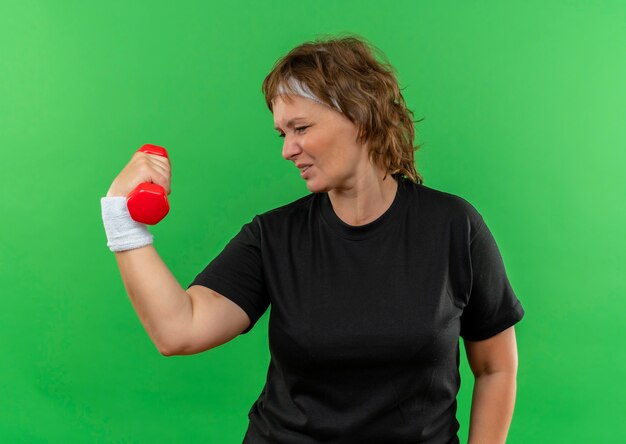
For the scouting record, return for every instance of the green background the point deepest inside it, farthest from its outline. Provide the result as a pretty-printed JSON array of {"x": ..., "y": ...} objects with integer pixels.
[{"x": 524, "y": 108}]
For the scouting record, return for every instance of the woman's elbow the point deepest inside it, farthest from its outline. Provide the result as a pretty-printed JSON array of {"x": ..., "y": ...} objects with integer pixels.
[{"x": 167, "y": 349}]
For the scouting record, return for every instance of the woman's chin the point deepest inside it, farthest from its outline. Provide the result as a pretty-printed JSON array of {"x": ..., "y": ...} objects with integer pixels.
[{"x": 314, "y": 188}]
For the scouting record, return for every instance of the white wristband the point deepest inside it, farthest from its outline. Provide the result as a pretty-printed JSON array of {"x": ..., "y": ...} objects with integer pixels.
[{"x": 123, "y": 233}]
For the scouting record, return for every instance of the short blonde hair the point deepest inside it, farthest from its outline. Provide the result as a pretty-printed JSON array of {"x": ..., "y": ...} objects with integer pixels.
[{"x": 344, "y": 71}]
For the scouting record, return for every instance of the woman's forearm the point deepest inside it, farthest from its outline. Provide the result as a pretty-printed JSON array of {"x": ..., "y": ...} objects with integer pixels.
[
  {"x": 493, "y": 401},
  {"x": 163, "y": 306}
]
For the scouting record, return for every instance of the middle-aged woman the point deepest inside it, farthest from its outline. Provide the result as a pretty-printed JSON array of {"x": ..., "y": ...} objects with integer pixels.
[{"x": 371, "y": 278}]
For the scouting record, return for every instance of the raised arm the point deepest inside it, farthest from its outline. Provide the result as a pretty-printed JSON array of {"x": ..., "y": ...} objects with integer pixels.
[{"x": 177, "y": 321}]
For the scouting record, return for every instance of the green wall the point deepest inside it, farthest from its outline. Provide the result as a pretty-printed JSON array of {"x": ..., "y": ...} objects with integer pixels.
[{"x": 524, "y": 108}]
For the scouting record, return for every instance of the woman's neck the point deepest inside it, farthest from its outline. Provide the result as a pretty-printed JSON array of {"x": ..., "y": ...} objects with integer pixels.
[{"x": 366, "y": 201}]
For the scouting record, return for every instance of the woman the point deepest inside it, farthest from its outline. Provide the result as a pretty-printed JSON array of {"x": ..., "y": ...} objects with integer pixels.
[{"x": 371, "y": 278}]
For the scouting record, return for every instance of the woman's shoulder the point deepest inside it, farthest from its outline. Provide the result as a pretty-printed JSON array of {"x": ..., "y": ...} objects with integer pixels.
[
  {"x": 447, "y": 204},
  {"x": 296, "y": 208}
]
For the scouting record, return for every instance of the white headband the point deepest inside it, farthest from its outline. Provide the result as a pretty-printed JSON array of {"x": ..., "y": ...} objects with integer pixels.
[{"x": 303, "y": 90}]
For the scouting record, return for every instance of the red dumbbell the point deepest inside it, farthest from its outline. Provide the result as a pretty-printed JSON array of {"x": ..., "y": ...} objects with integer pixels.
[{"x": 147, "y": 203}]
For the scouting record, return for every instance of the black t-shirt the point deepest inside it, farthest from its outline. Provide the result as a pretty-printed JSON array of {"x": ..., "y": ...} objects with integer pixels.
[{"x": 365, "y": 320}]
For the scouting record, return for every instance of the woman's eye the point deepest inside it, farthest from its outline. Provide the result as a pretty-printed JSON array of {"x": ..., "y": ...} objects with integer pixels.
[{"x": 298, "y": 129}]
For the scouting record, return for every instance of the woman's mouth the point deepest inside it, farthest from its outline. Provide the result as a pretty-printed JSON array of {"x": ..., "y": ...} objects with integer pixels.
[{"x": 304, "y": 170}]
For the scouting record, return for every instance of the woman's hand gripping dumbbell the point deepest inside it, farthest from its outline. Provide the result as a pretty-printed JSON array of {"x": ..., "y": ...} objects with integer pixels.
[
  {"x": 137, "y": 196},
  {"x": 145, "y": 182}
]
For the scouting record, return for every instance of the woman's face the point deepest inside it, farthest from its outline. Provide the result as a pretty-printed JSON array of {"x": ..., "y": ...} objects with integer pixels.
[{"x": 319, "y": 136}]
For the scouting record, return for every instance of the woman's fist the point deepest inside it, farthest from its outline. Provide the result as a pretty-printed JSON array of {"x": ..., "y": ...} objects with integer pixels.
[{"x": 143, "y": 167}]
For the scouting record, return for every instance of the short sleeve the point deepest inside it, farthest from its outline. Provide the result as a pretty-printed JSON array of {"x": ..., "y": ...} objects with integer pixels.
[
  {"x": 492, "y": 306},
  {"x": 237, "y": 273}
]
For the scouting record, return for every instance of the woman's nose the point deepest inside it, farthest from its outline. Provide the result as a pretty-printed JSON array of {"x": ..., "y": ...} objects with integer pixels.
[{"x": 290, "y": 148}]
